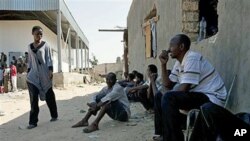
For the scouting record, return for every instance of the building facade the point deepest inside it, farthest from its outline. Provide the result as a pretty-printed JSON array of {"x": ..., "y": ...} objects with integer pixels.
[
  {"x": 227, "y": 49},
  {"x": 70, "y": 47}
]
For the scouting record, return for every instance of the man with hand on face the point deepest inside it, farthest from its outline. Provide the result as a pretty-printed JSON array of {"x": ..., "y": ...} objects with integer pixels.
[
  {"x": 111, "y": 100},
  {"x": 193, "y": 81}
]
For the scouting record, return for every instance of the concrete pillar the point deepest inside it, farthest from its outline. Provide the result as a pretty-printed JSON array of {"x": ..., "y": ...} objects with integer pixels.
[
  {"x": 69, "y": 47},
  {"x": 77, "y": 53},
  {"x": 85, "y": 55},
  {"x": 88, "y": 60},
  {"x": 81, "y": 45},
  {"x": 59, "y": 43}
]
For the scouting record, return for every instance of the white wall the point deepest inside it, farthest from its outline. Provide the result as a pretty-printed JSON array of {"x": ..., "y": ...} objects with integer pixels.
[{"x": 16, "y": 35}]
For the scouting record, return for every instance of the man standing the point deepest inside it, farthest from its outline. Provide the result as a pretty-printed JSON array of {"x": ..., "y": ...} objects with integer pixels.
[
  {"x": 111, "y": 100},
  {"x": 13, "y": 77},
  {"x": 197, "y": 83},
  {"x": 39, "y": 77}
]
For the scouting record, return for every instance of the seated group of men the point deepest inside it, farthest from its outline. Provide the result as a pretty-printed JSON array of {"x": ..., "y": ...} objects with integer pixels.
[{"x": 193, "y": 83}]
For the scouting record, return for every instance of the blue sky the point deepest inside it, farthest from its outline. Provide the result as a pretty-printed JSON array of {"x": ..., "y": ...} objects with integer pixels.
[{"x": 92, "y": 15}]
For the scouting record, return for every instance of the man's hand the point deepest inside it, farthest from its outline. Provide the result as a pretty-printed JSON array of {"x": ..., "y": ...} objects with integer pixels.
[
  {"x": 131, "y": 90},
  {"x": 164, "y": 57},
  {"x": 92, "y": 106},
  {"x": 153, "y": 77},
  {"x": 50, "y": 74}
]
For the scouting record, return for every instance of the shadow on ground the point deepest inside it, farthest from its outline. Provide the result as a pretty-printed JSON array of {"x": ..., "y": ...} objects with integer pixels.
[{"x": 139, "y": 128}]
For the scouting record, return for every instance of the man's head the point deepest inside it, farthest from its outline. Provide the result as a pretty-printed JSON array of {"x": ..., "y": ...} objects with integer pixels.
[
  {"x": 139, "y": 77},
  {"x": 37, "y": 33},
  {"x": 151, "y": 69},
  {"x": 131, "y": 77},
  {"x": 11, "y": 63},
  {"x": 179, "y": 45},
  {"x": 110, "y": 79},
  {"x": 134, "y": 72}
]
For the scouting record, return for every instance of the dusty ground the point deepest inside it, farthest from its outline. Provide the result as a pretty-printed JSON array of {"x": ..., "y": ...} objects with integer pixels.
[{"x": 71, "y": 102}]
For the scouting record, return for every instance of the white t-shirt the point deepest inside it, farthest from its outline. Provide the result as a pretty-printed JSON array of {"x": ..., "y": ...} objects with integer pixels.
[
  {"x": 158, "y": 83},
  {"x": 197, "y": 71}
]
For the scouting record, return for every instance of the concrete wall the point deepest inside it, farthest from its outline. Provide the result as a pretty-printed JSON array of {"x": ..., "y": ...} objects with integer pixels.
[
  {"x": 15, "y": 36},
  {"x": 109, "y": 67},
  {"x": 228, "y": 50},
  {"x": 59, "y": 79}
]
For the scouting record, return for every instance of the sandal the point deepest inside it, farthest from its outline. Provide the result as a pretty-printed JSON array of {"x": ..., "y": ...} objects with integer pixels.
[{"x": 157, "y": 138}]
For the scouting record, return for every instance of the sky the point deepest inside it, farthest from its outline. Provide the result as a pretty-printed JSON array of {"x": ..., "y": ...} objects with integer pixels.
[{"x": 92, "y": 15}]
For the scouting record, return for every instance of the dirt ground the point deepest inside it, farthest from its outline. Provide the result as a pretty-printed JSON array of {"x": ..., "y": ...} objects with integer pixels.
[{"x": 71, "y": 102}]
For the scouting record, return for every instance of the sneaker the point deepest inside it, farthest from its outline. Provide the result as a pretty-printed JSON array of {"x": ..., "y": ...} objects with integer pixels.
[
  {"x": 53, "y": 119},
  {"x": 31, "y": 126}
]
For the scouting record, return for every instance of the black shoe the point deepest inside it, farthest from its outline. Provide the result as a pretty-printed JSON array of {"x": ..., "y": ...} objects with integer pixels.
[
  {"x": 53, "y": 119},
  {"x": 31, "y": 126}
]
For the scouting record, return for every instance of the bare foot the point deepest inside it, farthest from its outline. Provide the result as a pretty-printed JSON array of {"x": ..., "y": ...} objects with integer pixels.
[
  {"x": 80, "y": 124},
  {"x": 91, "y": 128}
]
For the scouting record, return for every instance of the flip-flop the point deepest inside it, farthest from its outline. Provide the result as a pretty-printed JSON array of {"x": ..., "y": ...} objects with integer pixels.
[{"x": 90, "y": 129}]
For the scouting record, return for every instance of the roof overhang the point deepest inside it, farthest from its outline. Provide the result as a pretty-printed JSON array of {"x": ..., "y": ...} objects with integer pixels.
[{"x": 46, "y": 12}]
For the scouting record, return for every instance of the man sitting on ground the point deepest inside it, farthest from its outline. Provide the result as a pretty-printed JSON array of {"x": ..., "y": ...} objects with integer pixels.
[
  {"x": 111, "y": 100},
  {"x": 145, "y": 92}
]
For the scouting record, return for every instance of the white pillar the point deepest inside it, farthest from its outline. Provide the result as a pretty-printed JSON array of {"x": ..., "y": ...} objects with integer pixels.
[
  {"x": 81, "y": 45},
  {"x": 85, "y": 56},
  {"x": 77, "y": 54},
  {"x": 59, "y": 43},
  {"x": 69, "y": 47},
  {"x": 88, "y": 59}
]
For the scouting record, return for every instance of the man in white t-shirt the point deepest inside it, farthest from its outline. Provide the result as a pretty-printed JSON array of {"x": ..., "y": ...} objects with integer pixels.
[{"x": 197, "y": 83}]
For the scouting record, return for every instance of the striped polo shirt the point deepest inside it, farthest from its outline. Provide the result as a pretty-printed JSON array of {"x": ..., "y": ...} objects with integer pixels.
[{"x": 196, "y": 70}]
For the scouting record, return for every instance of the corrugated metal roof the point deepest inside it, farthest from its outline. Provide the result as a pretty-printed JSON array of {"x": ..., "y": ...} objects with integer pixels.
[{"x": 29, "y": 5}]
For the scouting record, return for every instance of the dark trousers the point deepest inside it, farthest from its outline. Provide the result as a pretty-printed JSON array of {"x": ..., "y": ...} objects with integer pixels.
[
  {"x": 172, "y": 119},
  {"x": 115, "y": 109},
  {"x": 50, "y": 100},
  {"x": 214, "y": 120},
  {"x": 141, "y": 96},
  {"x": 158, "y": 114}
]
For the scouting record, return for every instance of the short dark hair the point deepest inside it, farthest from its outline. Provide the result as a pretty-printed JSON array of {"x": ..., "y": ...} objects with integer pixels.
[
  {"x": 152, "y": 68},
  {"x": 131, "y": 76},
  {"x": 36, "y": 28},
  {"x": 185, "y": 40},
  {"x": 112, "y": 76},
  {"x": 139, "y": 75},
  {"x": 134, "y": 72}
]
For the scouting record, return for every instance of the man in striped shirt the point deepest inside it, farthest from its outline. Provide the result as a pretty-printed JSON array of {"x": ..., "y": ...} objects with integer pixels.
[{"x": 197, "y": 83}]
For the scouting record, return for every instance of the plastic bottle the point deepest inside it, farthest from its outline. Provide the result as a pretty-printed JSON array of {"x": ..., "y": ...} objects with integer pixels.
[{"x": 202, "y": 29}]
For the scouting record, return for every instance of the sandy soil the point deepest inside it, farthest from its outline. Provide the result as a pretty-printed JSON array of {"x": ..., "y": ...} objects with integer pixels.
[{"x": 71, "y": 102}]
